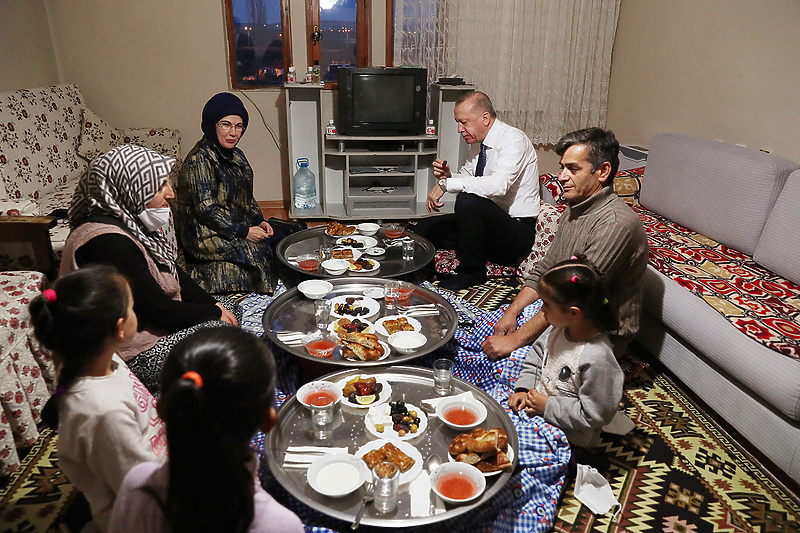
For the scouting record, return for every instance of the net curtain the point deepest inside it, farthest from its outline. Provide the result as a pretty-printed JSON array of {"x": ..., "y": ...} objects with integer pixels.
[{"x": 545, "y": 63}]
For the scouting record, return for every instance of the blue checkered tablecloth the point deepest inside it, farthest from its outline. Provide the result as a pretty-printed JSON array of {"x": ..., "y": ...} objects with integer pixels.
[{"x": 528, "y": 501}]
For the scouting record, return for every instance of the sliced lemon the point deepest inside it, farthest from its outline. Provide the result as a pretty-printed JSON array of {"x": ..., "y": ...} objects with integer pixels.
[{"x": 365, "y": 400}]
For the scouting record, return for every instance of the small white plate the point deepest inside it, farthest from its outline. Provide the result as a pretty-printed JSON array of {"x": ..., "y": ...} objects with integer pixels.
[
  {"x": 381, "y": 412},
  {"x": 356, "y": 253},
  {"x": 385, "y": 394},
  {"x": 373, "y": 307},
  {"x": 380, "y": 330},
  {"x": 377, "y": 251},
  {"x": 375, "y": 266},
  {"x": 386, "y": 353},
  {"x": 375, "y": 292},
  {"x": 410, "y": 474},
  {"x": 509, "y": 453},
  {"x": 337, "y": 474},
  {"x": 365, "y": 241},
  {"x": 333, "y": 329}
]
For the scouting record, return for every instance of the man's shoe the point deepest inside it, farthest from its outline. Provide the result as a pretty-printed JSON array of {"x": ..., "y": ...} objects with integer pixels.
[{"x": 462, "y": 280}]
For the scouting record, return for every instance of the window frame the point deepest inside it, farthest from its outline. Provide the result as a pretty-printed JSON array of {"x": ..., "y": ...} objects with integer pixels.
[
  {"x": 286, "y": 39},
  {"x": 312, "y": 16}
]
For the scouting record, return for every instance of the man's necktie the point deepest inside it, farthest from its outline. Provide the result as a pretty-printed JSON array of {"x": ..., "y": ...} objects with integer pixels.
[{"x": 481, "y": 161}]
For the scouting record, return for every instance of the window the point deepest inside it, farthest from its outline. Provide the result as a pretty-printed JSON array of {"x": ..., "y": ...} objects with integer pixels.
[
  {"x": 258, "y": 44},
  {"x": 337, "y": 34}
]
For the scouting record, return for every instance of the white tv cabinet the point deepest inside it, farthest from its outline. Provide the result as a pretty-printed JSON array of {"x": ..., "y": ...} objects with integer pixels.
[{"x": 360, "y": 177}]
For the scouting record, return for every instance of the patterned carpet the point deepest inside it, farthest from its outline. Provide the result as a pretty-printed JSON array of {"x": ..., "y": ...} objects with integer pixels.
[{"x": 675, "y": 472}]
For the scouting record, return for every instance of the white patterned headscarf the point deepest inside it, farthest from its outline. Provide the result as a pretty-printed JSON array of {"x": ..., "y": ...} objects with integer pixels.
[{"x": 120, "y": 184}]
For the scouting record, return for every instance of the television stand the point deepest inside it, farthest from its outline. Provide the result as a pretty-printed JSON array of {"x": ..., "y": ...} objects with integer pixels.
[{"x": 369, "y": 177}]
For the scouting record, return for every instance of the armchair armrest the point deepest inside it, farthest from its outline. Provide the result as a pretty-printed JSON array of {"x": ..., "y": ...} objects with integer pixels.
[{"x": 36, "y": 231}]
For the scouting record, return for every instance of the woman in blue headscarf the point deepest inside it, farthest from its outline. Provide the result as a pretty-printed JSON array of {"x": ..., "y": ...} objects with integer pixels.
[{"x": 227, "y": 244}]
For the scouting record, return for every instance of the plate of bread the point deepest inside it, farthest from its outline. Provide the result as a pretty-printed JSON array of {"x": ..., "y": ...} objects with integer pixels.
[
  {"x": 405, "y": 456},
  {"x": 363, "y": 346},
  {"x": 392, "y": 324},
  {"x": 486, "y": 450},
  {"x": 335, "y": 229},
  {"x": 345, "y": 253}
]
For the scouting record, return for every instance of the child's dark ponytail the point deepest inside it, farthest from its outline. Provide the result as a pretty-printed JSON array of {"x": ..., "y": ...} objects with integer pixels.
[
  {"x": 74, "y": 319},
  {"x": 576, "y": 282},
  {"x": 216, "y": 387}
]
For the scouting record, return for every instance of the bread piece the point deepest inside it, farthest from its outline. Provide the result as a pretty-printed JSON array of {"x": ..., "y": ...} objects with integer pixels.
[
  {"x": 357, "y": 352},
  {"x": 486, "y": 442},
  {"x": 494, "y": 463},
  {"x": 469, "y": 458},
  {"x": 502, "y": 438},
  {"x": 345, "y": 253},
  {"x": 368, "y": 340},
  {"x": 393, "y": 454},
  {"x": 374, "y": 457},
  {"x": 459, "y": 444}
]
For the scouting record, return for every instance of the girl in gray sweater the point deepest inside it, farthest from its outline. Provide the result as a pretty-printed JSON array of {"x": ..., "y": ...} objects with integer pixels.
[{"x": 570, "y": 376}]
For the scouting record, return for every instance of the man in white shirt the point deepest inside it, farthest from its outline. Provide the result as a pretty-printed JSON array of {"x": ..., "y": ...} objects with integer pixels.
[{"x": 498, "y": 195}]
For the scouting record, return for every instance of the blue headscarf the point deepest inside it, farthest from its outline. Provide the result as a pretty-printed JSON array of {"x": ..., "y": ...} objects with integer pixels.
[{"x": 220, "y": 106}]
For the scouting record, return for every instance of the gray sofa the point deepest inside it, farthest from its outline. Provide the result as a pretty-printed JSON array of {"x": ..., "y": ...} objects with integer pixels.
[{"x": 748, "y": 202}]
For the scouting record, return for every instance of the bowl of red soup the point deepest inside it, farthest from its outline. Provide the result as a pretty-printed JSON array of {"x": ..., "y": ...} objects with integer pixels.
[
  {"x": 308, "y": 262},
  {"x": 320, "y": 344},
  {"x": 461, "y": 413},
  {"x": 457, "y": 482},
  {"x": 319, "y": 393}
]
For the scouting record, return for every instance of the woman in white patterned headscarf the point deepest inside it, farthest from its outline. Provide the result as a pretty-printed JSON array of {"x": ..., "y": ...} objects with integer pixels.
[{"x": 120, "y": 216}]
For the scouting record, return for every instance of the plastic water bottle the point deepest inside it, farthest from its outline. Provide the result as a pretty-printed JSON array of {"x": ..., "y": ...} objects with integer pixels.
[{"x": 304, "y": 186}]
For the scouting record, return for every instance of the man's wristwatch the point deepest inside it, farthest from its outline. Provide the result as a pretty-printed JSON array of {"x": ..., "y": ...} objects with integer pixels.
[{"x": 443, "y": 184}]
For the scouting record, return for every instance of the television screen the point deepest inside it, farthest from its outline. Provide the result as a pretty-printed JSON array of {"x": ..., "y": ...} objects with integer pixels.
[
  {"x": 388, "y": 99},
  {"x": 382, "y": 101}
]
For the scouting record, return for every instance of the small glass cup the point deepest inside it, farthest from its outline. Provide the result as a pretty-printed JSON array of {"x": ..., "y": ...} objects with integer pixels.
[
  {"x": 405, "y": 291},
  {"x": 392, "y": 292},
  {"x": 322, "y": 420},
  {"x": 408, "y": 250},
  {"x": 322, "y": 313},
  {"x": 442, "y": 376},
  {"x": 385, "y": 480},
  {"x": 325, "y": 252}
]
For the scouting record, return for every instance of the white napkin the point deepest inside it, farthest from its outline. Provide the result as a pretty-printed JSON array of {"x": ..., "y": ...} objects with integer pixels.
[
  {"x": 421, "y": 493},
  {"x": 292, "y": 338},
  {"x": 432, "y": 403},
  {"x": 303, "y": 456}
]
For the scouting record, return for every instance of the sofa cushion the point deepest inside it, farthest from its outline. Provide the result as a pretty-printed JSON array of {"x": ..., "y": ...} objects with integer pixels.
[
  {"x": 97, "y": 138},
  {"x": 759, "y": 303},
  {"x": 779, "y": 248},
  {"x": 39, "y": 130},
  {"x": 723, "y": 191},
  {"x": 627, "y": 184}
]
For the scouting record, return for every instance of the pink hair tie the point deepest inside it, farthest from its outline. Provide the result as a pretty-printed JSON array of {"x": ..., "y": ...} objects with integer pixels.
[
  {"x": 49, "y": 294},
  {"x": 573, "y": 257},
  {"x": 193, "y": 376},
  {"x": 574, "y": 279}
]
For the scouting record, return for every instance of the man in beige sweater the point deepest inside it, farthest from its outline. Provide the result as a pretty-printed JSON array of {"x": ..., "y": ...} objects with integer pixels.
[{"x": 596, "y": 223}]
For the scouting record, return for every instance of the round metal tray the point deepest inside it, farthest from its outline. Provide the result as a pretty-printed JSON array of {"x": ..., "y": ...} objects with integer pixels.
[
  {"x": 292, "y": 311},
  {"x": 411, "y": 384},
  {"x": 392, "y": 263}
]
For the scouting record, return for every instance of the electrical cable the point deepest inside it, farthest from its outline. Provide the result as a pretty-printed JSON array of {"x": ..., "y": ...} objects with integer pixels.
[{"x": 281, "y": 149}]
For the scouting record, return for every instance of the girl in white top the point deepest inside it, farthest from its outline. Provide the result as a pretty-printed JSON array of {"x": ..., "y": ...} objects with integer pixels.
[
  {"x": 218, "y": 389},
  {"x": 106, "y": 419}
]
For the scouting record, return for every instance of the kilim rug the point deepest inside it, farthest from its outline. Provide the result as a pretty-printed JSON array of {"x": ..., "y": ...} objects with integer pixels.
[{"x": 676, "y": 472}]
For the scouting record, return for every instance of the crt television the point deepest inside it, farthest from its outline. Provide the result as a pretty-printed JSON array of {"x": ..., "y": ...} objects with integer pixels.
[{"x": 382, "y": 101}]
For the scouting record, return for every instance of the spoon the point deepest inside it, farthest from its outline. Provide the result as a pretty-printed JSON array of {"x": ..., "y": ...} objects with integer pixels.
[
  {"x": 369, "y": 495},
  {"x": 431, "y": 464}
]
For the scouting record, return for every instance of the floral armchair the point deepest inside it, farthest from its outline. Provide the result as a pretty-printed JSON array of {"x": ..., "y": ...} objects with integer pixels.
[{"x": 47, "y": 139}]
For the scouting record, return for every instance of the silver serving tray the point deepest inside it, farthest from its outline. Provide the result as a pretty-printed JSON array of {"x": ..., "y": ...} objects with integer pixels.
[
  {"x": 412, "y": 384},
  {"x": 392, "y": 263},
  {"x": 292, "y": 311}
]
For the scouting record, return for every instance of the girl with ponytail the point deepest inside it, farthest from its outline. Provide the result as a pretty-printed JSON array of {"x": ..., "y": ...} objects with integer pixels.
[
  {"x": 570, "y": 375},
  {"x": 218, "y": 389},
  {"x": 106, "y": 419}
]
